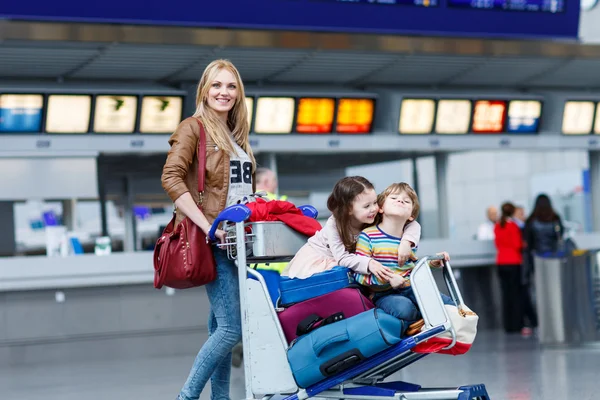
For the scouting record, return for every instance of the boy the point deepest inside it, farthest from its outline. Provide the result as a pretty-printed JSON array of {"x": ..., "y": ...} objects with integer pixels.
[{"x": 398, "y": 205}]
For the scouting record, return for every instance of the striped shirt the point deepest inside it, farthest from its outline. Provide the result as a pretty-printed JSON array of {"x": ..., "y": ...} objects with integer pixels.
[{"x": 375, "y": 243}]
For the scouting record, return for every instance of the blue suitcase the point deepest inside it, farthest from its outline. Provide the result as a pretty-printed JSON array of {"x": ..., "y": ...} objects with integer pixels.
[
  {"x": 334, "y": 348},
  {"x": 295, "y": 290}
]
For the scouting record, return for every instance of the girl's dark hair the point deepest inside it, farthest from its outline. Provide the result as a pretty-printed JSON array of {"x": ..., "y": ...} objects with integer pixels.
[
  {"x": 543, "y": 211},
  {"x": 508, "y": 210},
  {"x": 340, "y": 204}
]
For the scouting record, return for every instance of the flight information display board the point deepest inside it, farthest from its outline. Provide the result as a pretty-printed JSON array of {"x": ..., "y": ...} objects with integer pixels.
[
  {"x": 274, "y": 115},
  {"x": 578, "y": 117},
  {"x": 21, "y": 113},
  {"x": 524, "y": 116},
  {"x": 68, "y": 113},
  {"x": 315, "y": 115},
  {"x": 467, "y": 18},
  {"x": 597, "y": 123},
  {"x": 160, "y": 114},
  {"x": 489, "y": 116},
  {"x": 250, "y": 107},
  {"x": 416, "y": 116},
  {"x": 551, "y": 6},
  {"x": 115, "y": 114},
  {"x": 423, "y": 3},
  {"x": 453, "y": 116},
  {"x": 355, "y": 116}
]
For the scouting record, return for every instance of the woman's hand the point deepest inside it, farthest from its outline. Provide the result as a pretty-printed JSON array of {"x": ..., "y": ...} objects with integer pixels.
[
  {"x": 438, "y": 263},
  {"x": 383, "y": 274},
  {"x": 220, "y": 235}
]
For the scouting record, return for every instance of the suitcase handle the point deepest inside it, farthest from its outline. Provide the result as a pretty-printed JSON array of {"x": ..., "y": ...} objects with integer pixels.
[
  {"x": 320, "y": 347},
  {"x": 313, "y": 321}
]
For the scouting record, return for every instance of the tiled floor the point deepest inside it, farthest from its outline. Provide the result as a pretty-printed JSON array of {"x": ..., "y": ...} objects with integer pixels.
[{"x": 511, "y": 367}]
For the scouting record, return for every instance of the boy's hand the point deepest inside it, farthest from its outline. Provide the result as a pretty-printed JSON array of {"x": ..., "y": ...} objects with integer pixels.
[
  {"x": 382, "y": 273},
  {"x": 438, "y": 263},
  {"x": 397, "y": 281},
  {"x": 404, "y": 252}
]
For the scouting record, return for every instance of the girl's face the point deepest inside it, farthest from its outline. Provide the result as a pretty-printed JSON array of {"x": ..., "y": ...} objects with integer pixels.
[
  {"x": 364, "y": 208},
  {"x": 398, "y": 205},
  {"x": 223, "y": 93}
]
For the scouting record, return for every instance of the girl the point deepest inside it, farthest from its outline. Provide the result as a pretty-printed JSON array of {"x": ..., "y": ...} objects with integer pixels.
[
  {"x": 509, "y": 246},
  {"x": 543, "y": 229},
  {"x": 353, "y": 204},
  {"x": 221, "y": 109}
]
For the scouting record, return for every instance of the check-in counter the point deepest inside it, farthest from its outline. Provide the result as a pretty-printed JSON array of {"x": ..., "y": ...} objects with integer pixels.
[{"x": 68, "y": 301}]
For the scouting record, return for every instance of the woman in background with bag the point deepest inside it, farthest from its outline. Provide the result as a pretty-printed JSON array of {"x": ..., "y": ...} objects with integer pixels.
[
  {"x": 543, "y": 229},
  {"x": 229, "y": 166}
]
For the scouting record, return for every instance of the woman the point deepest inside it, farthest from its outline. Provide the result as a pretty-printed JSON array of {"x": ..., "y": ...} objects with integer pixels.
[
  {"x": 230, "y": 165},
  {"x": 509, "y": 246},
  {"x": 543, "y": 228}
]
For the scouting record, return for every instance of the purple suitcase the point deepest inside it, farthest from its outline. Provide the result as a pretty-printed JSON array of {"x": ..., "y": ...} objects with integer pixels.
[{"x": 308, "y": 315}]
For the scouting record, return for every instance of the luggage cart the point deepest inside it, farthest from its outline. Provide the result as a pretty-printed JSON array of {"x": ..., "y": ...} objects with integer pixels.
[{"x": 266, "y": 368}]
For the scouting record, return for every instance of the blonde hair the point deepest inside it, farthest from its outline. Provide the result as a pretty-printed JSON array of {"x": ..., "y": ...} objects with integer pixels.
[
  {"x": 237, "y": 119},
  {"x": 397, "y": 188}
]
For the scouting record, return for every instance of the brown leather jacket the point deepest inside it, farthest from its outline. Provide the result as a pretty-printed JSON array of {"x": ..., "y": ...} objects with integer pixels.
[{"x": 180, "y": 172}]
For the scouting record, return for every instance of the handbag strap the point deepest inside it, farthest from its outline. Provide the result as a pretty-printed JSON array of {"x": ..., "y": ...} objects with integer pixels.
[{"x": 201, "y": 160}]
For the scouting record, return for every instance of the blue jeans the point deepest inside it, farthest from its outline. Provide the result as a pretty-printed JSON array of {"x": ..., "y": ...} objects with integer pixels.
[
  {"x": 402, "y": 303},
  {"x": 225, "y": 331}
]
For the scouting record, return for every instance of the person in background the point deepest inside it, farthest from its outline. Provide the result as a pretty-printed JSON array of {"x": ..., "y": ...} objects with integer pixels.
[
  {"x": 519, "y": 216},
  {"x": 530, "y": 320},
  {"x": 543, "y": 229},
  {"x": 230, "y": 166},
  {"x": 266, "y": 181},
  {"x": 509, "y": 256},
  {"x": 486, "y": 229}
]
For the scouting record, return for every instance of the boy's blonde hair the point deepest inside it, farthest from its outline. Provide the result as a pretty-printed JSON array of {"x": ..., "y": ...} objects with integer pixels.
[{"x": 397, "y": 188}]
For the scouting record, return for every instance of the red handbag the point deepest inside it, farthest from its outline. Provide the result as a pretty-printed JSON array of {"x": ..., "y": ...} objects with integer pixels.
[{"x": 183, "y": 257}]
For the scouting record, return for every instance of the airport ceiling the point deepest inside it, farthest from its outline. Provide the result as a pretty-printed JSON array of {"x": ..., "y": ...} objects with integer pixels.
[{"x": 169, "y": 55}]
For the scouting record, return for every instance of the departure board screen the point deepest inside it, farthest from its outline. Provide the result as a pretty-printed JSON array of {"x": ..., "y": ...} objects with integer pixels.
[
  {"x": 355, "y": 115},
  {"x": 416, "y": 116},
  {"x": 115, "y": 114},
  {"x": 20, "y": 113},
  {"x": 160, "y": 114},
  {"x": 274, "y": 115},
  {"x": 597, "y": 123},
  {"x": 455, "y": 18},
  {"x": 551, "y": 6},
  {"x": 250, "y": 107},
  {"x": 489, "y": 116},
  {"x": 524, "y": 116},
  {"x": 453, "y": 116},
  {"x": 315, "y": 115},
  {"x": 578, "y": 117},
  {"x": 423, "y": 3},
  {"x": 68, "y": 113}
]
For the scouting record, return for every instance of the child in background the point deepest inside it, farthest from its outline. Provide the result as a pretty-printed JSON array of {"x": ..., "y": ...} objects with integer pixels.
[
  {"x": 353, "y": 204},
  {"x": 398, "y": 205}
]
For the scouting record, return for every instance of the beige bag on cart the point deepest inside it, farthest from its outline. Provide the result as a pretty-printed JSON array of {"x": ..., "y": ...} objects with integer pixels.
[{"x": 464, "y": 321}]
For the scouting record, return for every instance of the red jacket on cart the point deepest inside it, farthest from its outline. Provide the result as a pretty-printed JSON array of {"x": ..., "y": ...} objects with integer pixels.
[
  {"x": 509, "y": 244},
  {"x": 284, "y": 211}
]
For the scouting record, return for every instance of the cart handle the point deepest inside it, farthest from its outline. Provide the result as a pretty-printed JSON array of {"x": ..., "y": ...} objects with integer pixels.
[
  {"x": 235, "y": 213},
  {"x": 309, "y": 211}
]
